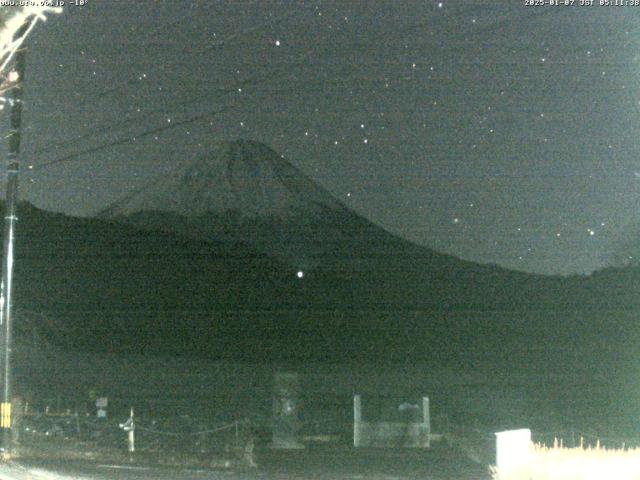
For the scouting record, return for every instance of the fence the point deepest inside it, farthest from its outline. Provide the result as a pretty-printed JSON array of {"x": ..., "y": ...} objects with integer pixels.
[
  {"x": 388, "y": 421},
  {"x": 178, "y": 432}
]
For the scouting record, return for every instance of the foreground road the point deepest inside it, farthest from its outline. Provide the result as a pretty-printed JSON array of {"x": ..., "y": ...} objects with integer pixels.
[
  {"x": 81, "y": 470},
  {"x": 317, "y": 464}
]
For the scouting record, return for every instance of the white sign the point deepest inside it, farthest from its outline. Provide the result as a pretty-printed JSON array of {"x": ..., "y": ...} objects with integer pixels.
[
  {"x": 513, "y": 449},
  {"x": 101, "y": 402}
]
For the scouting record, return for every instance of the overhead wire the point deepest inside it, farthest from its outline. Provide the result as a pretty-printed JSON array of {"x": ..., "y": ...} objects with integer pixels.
[
  {"x": 218, "y": 44},
  {"x": 107, "y": 129},
  {"x": 133, "y": 137}
]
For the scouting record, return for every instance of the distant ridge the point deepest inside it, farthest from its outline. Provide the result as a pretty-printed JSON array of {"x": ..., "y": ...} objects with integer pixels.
[{"x": 112, "y": 287}]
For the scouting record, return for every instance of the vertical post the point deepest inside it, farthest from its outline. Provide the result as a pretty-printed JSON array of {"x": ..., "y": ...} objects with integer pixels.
[
  {"x": 10, "y": 217},
  {"x": 426, "y": 419},
  {"x": 131, "y": 437},
  {"x": 17, "y": 414},
  {"x": 78, "y": 431},
  {"x": 357, "y": 419}
]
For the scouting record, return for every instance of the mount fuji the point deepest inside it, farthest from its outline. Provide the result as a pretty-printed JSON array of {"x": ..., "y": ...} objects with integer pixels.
[
  {"x": 243, "y": 176},
  {"x": 243, "y": 191}
]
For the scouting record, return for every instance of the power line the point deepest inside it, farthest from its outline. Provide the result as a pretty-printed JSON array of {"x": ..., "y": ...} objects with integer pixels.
[
  {"x": 109, "y": 128},
  {"x": 131, "y": 139},
  {"x": 218, "y": 44},
  {"x": 106, "y": 129}
]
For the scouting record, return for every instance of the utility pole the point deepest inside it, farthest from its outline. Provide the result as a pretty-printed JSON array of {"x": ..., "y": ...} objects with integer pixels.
[{"x": 10, "y": 218}]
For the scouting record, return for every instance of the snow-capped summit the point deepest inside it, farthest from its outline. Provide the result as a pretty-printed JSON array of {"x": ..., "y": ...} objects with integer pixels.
[
  {"x": 244, "y": 192},
  {"x": 242, "y": 176}
]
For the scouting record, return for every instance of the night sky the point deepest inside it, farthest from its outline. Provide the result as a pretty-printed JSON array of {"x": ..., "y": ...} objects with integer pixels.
[{"x": 494, "y": 131}]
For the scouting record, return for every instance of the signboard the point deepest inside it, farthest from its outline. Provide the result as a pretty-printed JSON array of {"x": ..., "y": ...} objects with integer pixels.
[{"x": 101, "y": 405}]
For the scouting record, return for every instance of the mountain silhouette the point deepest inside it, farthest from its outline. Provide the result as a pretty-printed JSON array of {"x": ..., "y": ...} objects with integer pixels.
[
  {"x": 154, "y": 275},
  {"x": 244, "y": 192}
]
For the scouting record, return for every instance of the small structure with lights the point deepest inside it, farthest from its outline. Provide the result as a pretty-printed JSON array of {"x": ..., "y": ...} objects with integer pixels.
[{"x": 415, "y": 432}]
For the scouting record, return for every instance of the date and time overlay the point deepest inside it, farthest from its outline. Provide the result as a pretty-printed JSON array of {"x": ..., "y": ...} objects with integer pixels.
[
  {"x": 526, "y": 3},
  {"x": 43, "y": 3},
  {"x": 581, "y": 3}
]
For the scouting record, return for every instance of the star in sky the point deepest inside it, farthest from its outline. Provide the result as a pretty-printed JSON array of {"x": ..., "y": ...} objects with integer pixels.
[{"x": 440, "y": 106}]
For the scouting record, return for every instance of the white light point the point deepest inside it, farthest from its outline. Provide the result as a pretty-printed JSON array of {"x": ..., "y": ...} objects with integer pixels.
[
  {"x": 300, "y": 274},
  {"x": 277, "y": 43}
]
